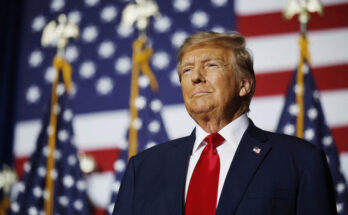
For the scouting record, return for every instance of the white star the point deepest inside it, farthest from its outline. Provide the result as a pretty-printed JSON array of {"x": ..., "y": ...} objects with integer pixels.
[
  {"x": 339, "y": 207},
  {"x": 35, "y": 58},
  {"x": 219, "y": 3},
  {"x": 54, "y": 174},
  {"x": 63, "y": 200},
  {"x": 174, "y": 78},
  {"x": 32, "y": 211},
  {"x": 41, "y": 171},
  {"x": 218, "y": 29},
  {"x": 108, "y": 13},
  {"x": 327, "y": 140},
  {"x": 143, "y": 81},
  {"x": 106, "y": 49},
  {"x": 309, "y": 134},
  {"x": 123, "y": 65},
  {"x": 156, "y": 105},
  {"x": 137, "y": 123},
  {"x": 45, "y": 151},
  {"x": 293, "y": 109},
  {"x": 60, "y": 89},
  {"x": 316, "y": 95},
  {"x": 27, "y": 167},
  {"x": 37, "y": 192},
  {"x": 72, "y": 160},
  {"x": 15, "y": 207},
  {"x": 154, "y": 126},
  {"x": 160, "y": 60},
  {"x": 298, "y": 89},
  {"x": 87, "y": 69},
  {"x": 162, "y": 24},
  {"x": 124, "y": 31},
  {"x": 68, "y": 181},
  {"x": 104, "y": 85},
  {"x": 63, "y": 135},
  {"x": 289, "y": 129},
  {"x": 33, "y": 94},
  {"x": 140, "y": 102},
  {"x": 38, "y": 23},
  {"x": 51, "y": 74},
  {"x": 78, "y": 205},
  {"x": 57, "y": 154},
  {"x": 312, "y": 113},
  {"x": 305, "y": 68},
  {"x": 150, "y": 144},
  {"x": 71, "y": 53},
  {"x": 20, "y": 187},
  {"x": 181, "y": 5},
  {"x": 75, "y": 16},
  {"x": 81, "y": 185},
  {"x": 57, "y": 5},
  {"x": 119, "y": 165},
  {"x": 340, "y": 187},
  {"x": 199, "y": 19},
  {"x": 67, "y": 115},
  {"x": 178, "y": 38},
  {"x": 91, "y": 3},
  {"x": 116, "y": 186},
  {"x": 90, "y": 33}
]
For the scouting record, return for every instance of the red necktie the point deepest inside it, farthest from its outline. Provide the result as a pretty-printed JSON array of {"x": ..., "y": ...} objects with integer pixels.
[{"x": 203, "y": 188}]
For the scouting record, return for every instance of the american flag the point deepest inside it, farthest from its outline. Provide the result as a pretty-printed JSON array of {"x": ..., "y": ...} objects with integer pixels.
[
  {"x": 315, "y": 130},
  {"x": 101, "y": 59},
  {"x": 69, "y": 185},
  {"x": 150, "y": 127}
]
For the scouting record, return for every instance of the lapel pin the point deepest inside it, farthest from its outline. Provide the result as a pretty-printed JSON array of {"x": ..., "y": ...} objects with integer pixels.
[{"x": 257, "y": 150}]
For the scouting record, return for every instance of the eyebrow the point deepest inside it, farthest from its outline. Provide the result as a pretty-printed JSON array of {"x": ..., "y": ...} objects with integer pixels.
[{"x": 204, "y": 59}]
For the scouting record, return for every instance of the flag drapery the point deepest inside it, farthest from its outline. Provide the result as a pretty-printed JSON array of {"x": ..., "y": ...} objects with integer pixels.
[
  {"x": 146, "y": 124},
  {"x": 303, "y": 116},
  {"x": 53, "y": 182}
]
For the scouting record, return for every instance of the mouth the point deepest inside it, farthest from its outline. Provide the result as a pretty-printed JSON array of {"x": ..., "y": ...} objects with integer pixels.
[{"x": 200, "y": 93}]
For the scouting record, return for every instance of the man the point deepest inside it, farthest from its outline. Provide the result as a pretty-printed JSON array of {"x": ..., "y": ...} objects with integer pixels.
[{"x": 227, "y": 165}]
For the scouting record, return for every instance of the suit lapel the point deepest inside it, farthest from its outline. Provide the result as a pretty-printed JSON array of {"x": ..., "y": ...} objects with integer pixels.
[
  {"x": 246, "y": 161},
  {"x": 178, "y": 159}
]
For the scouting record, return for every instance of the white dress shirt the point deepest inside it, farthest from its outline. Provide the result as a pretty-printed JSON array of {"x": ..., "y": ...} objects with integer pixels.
[{"x": 232, "y": 133}]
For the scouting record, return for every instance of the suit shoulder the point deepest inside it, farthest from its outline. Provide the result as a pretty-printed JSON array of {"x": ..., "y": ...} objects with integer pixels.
[
  {"x": 160, "y": 149},
  {"x": 290, "y": 142}
]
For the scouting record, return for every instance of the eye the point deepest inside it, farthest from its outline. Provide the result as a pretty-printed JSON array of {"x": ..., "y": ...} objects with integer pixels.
[{"x": 185, "y": 70}]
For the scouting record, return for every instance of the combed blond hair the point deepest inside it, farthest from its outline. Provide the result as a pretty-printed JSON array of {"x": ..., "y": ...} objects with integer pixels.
[{"x": 233, "y": 41}]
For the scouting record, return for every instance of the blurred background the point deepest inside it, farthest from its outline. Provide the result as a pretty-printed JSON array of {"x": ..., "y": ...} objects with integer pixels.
[{"x": 101, "y": 59}]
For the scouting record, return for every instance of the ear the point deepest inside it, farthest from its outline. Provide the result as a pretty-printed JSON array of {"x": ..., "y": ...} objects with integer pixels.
[{"x": 245, "y": 87}]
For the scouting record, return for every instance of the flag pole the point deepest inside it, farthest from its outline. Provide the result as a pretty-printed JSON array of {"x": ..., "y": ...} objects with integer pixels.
[
  {"x": 56, "y": 35},
  {"x": 303, "y": 8},
  {"x": 139, "y": 13}
]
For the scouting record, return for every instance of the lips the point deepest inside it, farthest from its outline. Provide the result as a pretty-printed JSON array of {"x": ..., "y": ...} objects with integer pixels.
[{"x": 200, "y": 93}]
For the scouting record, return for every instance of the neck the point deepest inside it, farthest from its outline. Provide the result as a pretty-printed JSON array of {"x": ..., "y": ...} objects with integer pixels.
[{"x": 211, "y": 123}]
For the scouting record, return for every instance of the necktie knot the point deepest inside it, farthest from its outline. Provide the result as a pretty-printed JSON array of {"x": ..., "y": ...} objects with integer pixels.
[{"x": 216, "y": 139}]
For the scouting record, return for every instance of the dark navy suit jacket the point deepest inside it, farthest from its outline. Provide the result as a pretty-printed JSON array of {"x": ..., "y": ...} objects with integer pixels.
[{"x": 289, "y": 176}]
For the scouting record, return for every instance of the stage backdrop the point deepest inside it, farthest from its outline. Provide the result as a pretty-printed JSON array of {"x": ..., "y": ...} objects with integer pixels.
[{"x": 101, "y": 59}]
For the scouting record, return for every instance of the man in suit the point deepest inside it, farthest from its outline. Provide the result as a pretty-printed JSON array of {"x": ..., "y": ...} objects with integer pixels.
[{"x": 227, "y": 165}]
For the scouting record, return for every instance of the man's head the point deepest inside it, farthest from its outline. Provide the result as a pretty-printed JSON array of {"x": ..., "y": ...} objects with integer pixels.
[{"x": 216, "y": 73}]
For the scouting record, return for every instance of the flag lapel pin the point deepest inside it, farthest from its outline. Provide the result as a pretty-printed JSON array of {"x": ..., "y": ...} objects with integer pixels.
[{"x": 257, "y": 150}]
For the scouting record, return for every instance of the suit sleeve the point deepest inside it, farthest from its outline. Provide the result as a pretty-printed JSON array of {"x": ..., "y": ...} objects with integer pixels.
[
  {"x": 316, "y": 193},
  {"x": 124, "y": 202}
]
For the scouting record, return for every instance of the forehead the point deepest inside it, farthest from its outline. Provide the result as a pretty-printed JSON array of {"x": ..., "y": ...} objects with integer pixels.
[{"x": 206, "y": 52}]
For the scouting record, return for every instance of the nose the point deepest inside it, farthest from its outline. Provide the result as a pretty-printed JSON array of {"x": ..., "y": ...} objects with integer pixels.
[{"x": 198, "y": 75}]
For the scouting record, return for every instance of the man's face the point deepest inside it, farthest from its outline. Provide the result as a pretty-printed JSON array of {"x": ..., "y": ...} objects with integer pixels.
[{"x": 208, "y": 82}]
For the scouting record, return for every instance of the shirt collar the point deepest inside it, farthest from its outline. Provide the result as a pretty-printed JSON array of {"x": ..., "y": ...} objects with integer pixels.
[{"x": 232, "y": 133}]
